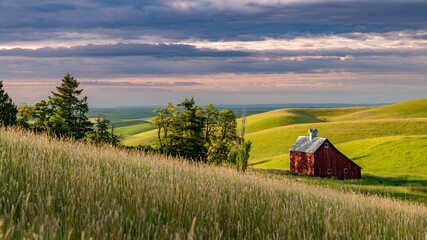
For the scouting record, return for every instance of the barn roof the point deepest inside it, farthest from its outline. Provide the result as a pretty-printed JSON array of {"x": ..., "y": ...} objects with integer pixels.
[{"x": 304, "y": 144}]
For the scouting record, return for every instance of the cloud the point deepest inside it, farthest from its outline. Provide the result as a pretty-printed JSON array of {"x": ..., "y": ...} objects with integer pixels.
[
  {"x": 122, "y": 50},
  {"x": 138, "y": 84},
  {"x": 209, "y": 20}
]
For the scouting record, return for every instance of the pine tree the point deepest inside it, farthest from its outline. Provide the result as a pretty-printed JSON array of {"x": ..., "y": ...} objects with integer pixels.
[
  {"x": 8, "y": 110},
  {"x": 71, "y": 108}
]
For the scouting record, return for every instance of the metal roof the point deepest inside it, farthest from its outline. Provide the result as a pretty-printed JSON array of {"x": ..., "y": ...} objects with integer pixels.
[{"x": 304, "y": 144}]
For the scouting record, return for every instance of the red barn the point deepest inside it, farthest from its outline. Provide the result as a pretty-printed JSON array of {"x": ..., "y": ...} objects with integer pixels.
[{"x": 318, "y": 157}]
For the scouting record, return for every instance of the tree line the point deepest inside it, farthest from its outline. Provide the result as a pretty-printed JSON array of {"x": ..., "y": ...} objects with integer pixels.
[
  {"x": 201, "y": 134},
  {"x": 64, "y": 115},
  {"x": 185, "y": 129}
]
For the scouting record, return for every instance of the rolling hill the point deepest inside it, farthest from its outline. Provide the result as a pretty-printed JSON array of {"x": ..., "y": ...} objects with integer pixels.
[{"x": 355, "y": 131}]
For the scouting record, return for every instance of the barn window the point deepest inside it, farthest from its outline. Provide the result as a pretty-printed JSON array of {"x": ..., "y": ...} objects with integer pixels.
[
  {"x": 326, "y": 145},
  {"x": 345, "y": 170},
  {"x": 329, "y": 171}
]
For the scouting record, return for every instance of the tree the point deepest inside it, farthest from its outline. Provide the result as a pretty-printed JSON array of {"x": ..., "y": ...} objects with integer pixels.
[
  {"x": 41, "y": 112},
  {"x": 70, "y": 107},
  {"x": 114, "y": 138},
  {"x": 23, "y": 116},
  {"x": 211, "y": 122},
  {"x": 240, "y": 155},
  {"x": 8, "y": 110},
  {"x": 57, "y": 126},
  {"x": 187, "y": 138},
  {"x": 228, "y": 125},
  {"x": 189, "y": 131},
  {"x": 163, "y": 121},
  {"x": 101, "y": 134},
  {"x": 243, "y": 154},
  {"x": 223, "y": 137}
]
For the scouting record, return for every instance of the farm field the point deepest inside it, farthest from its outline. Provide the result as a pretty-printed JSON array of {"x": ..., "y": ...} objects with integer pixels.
[
  {"x": 388, "y": 142},
  {"x": 274, "y": 132},
  {"x": 64, "y": 189}
]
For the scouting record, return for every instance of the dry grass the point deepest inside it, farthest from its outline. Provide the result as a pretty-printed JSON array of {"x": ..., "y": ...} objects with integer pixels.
[{"x": 63, "y": 189}]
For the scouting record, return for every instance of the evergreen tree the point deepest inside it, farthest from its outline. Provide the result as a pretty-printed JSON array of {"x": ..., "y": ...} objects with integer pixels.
[
  {"x": 187, "y": 137},
  {"x": 8, "y": 110},
  {"x": 41, "y": 112},
  {"x": 114, "y": 138},
  {"x": 101, "y": 134},
  {"x": 211, "y": 122},
  {"x": 71, "y": 108}
]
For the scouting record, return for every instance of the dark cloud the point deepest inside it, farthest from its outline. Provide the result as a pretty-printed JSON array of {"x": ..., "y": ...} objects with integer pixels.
[
  {"x": 122, "y": 50},
  {"x": 123, "y": 67},
  {"x": 52, "y": 7},
  {"x": 133, "y": 19}
]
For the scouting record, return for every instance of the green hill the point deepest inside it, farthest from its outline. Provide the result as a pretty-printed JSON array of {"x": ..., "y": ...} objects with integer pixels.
[
  {"x": 142, "y": 138},
  {"x": 409, "y": 109},
  {"x": 274, "y": 132},
  {"x": 135, "y": 129},
  {"x": 389, "y": 155},
  {"x": 274, "y": 142},
  {"x": 54, "y": 189},
  {"x": 278, "y": 118}
]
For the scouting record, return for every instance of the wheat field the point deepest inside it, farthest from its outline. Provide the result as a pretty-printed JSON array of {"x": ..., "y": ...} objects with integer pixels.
[{"x": 60, "y": 189}]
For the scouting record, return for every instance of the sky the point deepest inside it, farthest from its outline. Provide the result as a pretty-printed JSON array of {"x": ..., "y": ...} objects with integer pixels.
[{"x": 141, "y": 53}]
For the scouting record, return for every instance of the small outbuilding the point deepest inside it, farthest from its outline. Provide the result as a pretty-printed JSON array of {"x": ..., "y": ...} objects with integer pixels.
[{"x": 318, "y": 157}]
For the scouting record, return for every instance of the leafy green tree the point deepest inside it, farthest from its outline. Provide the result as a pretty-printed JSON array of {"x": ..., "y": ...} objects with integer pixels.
[
  {"x": 23, "y": 116},
  {"x": 71, "y": 108},
  {"x": 227, "y": 125},
  {"x": 163, "y": 121},
  {"x": 223, "y": 137},
  {"x": 8, "y": 110},
  {"x": 57, "y": 126},
  {"x": 180, "y": 130},
  {"x": 189, "y": 131}
]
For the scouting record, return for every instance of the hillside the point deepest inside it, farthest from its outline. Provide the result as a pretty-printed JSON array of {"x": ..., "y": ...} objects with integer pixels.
[
  {"x": 350, "y": 129},
  {"x": 273, "y": 144},
  {"x": 63, "y": 189}
]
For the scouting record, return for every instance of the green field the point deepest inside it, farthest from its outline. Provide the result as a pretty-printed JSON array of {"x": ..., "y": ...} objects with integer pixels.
[
  {"x": 274, "y": 132},
  {"x": 271, "y": 146},
  {"x": 54, "y": 189},
  {"x": 134, "y": 127},
  {"x": 388, "y": 142}
]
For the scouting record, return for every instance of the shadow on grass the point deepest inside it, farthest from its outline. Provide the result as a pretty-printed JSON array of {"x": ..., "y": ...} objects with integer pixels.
[
  {"x": 357, "y": 158},
  {"x": 260, "y": 162}
]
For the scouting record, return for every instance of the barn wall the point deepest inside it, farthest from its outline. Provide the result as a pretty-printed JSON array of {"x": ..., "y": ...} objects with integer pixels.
[
  {"x": 302, "y": 162},
  {"x": 331, "y": 158}
]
